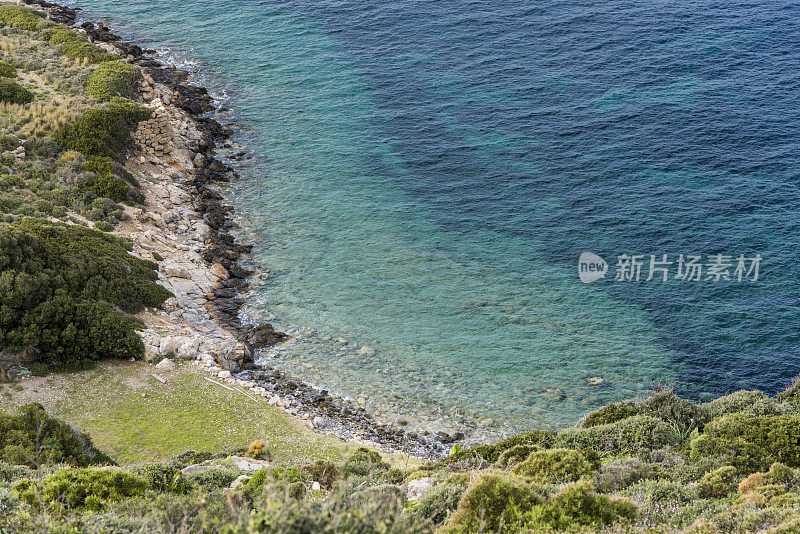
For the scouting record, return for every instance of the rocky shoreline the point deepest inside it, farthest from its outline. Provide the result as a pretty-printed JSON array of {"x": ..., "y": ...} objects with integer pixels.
[{"x": 189, "y": 231}]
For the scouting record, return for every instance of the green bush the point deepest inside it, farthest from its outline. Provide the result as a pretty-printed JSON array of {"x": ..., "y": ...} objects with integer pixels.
[
  {"x": 717, "y": 483},
  {"x": 622, "y": 473},
  {"x": 553, "y": 466},
  {"x": 751, "y": 443},
  {"x": 739, "y": 401},
  {"x": 491, "y": 453},
  {"x": 514, "y": 455},
  {"x": 76, "y": 46},
  {"x": 440, "y": 502},
  {"x": 574, "y": 507},
  {"x": 60, "y": 35},
  {"x": 490, "y": 501},
  {"x": 32, "y": 438},
  {"x": 324, "y": 472},
  {"x": 14, "y": 93},
  {"x": 362, "y": 462},
  {"x": 112, "y": 78},
  {"x": 669, "y": 407},
  {"x": 7, "y": 70},
  {"x": 610, "y": 413},
  {"x": 111, "y": 181},
  {"x": 85, "y": 488},
  {"x": 20, "y": 17},
  {"x": 640, "y": 432},
  {"x": 213, "y": 478},
  {"x": 103, "y": 131},
  {"x": 164, "y": 478},
  {"x": 61, "y": 291}
]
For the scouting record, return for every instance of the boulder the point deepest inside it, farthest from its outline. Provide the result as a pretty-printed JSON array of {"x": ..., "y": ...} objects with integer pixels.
[
  {"x": 263, "y": 335},
  {"x": 166, "y": 365}
]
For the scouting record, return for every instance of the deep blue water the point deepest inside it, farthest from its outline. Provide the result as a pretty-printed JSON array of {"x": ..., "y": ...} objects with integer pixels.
[{"x": 427, "y": 173}]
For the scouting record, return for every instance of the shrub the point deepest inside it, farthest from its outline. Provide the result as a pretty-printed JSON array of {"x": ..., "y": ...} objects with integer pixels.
[
  {"x": 620, "y": 474},
  {"x": 213, "y": 478},
  {"x": 739, "y": 401},
  {"x": 667, "y": 406},
  {"x": 628, "y": 435},
  {"x": 751, "y": 443},
  {"x": 164, "y": 479},
  {"x": 32, "y": 438},
  {"x": 753, "y": 481},
  {"x": 610, "y": 413},
  {"x": 362, "y": 462},
  {"x": 554, "y": 465},
  {"x": 7, "y": 70},
  {"x": 491, "y": 453},
  {"x": 60, "y": 35},
  {"x": 257, "y": 450},
  {"x": 491, "y": 501},
  {"x": 717, "y": 483},
  {"x": 440, "y": 502},
  {"x": 574, "y": 507},
  {"x": 112, "y": 78},
  {"x": 110, "y": 181},
  {"x": 515, "y": 455},
  {"x": 85, "y": 488},
  {"x": 12, "y": 473},
  {"x": 324, "y": 472},
  {"x": 75, "y": 46},
  {"x": 14, "y": 93},
  {"x": 103, "y": 131},
  {"x": 60, "y": 288},
  {"x": 20, "y": 17}
]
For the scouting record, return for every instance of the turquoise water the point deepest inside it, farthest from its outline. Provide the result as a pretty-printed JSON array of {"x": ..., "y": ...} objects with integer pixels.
[{"x": 425, "y": 176}]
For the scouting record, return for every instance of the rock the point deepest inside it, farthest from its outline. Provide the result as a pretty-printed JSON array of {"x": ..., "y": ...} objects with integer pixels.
[
  {"x": 239, "y": 481},
  {"x": 232, "y": 355},
  {"x": 316, "y": 486},
  {"x": 224, "y": 374},
  {"x": 320, "y": 422},
  {"x": 553, "y": 392},
  {"x": 200, "y": 468},
  {"x": 189, "y": 349},
  {"x": 166, "y": 365},
  {"x": 595, "y": 381},
  {"x": 417, "y": 489},
  {"x": 248, "y": 464},
  {"x": 273, "y": 401},
  {"x": 263, "y": 335},
  {"x": 366, "y": 351}
]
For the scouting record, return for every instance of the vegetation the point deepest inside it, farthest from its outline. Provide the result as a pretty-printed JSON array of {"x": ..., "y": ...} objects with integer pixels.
[
  {"x": 103, "y": 131},
  {"x": 65, "y": 292},
  {"x": 535, "y": 484},
  {"x": 33, "y": 439},
  {"x": 112, "y": 79},
  {"x": 20, "y": 17},
  {"x": 7, "y": 70},
  {"x": 13, "y": 93}
]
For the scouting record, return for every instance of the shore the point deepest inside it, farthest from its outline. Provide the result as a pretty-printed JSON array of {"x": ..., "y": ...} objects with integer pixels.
[{"x": 188, "y": 230}]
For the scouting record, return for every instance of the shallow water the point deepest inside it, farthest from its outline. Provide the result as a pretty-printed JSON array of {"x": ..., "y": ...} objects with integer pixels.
[{"x": 425, "y": 176}]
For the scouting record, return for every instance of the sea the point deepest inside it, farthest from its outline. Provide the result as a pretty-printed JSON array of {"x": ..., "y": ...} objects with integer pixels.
[{"x": 422, "y": 178}]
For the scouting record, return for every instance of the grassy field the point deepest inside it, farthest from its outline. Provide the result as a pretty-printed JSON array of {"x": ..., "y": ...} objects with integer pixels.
[{"x": 135, "y": 418}]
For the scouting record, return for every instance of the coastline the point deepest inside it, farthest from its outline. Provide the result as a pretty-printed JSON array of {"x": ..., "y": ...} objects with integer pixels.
[{"x": 189, "y": 226}]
